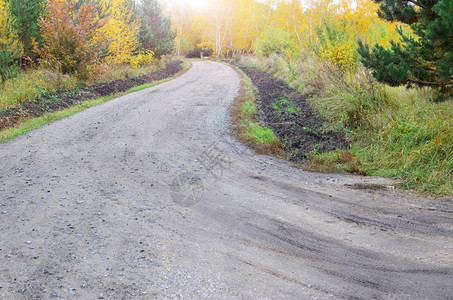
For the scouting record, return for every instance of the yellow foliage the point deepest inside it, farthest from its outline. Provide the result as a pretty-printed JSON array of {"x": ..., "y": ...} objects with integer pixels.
[
  {"x": 7, "y": 35},
  {"x": 122, "y": 30},
  {"x": 338, "y": 44},
  {"x": 141, "y": 59},
  {"x": 342, "y": 55}
]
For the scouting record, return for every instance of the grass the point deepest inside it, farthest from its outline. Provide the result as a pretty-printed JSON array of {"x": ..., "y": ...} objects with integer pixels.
[
  {"x": 248, "y": 108},
  {"x": 392, "y": 132},
  {"x": 32, "y": 85},
  {"x": 416, "y": 143},
  {"x": 260, "y": 134},
  {"x": 35, "y": 123},
  {"x": 140, "y": 87},
  {"x": 247, "y": 129},
  {"x": 286, "y": 105}
]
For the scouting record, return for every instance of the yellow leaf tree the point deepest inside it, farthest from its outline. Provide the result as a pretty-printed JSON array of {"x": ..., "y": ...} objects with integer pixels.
[
  {"x": 7, "y": 35},
  {"x": 122, "y": 30}
]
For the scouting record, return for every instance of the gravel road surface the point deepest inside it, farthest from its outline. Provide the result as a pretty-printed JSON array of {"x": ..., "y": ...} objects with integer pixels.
[{"x": 148, "y": 197}]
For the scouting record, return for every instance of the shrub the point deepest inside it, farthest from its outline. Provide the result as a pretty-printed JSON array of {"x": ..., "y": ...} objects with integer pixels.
[
  {"x": 71, "y": 43},
  {"x": 143, "y": 58},
  {"x": 338, "y": 44}
]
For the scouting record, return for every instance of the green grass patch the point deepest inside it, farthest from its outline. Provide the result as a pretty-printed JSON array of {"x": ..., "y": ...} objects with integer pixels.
[
  {"x": 260, "y": 134},
  {"x": 249, "y": 108},
  {"x": 286, "y": 105},
  {"x": 140, "y": 87},
  {"x": 35, "y": 123},
  {"x": 416, "y": 143}
]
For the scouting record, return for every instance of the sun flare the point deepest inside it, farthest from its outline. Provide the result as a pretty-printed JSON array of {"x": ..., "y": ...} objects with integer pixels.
[{"x": 198, "y": 4}]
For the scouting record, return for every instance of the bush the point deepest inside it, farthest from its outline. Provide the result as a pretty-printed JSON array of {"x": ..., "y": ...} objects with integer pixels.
[
  {"x": 143, "y": 58},
  {"x": 338, "y": 44},
  {"x": 71, "y": 41}
]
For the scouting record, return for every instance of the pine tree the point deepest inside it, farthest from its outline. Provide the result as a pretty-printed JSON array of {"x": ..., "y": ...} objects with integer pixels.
[
  {"x": 424, "y": 55},
  {"x": 155, "y": 30},
  {"x": 26, "y": 25}
]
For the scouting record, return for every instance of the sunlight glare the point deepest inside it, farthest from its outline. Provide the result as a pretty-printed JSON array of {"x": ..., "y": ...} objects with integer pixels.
[{"x": 198, "y": 4}]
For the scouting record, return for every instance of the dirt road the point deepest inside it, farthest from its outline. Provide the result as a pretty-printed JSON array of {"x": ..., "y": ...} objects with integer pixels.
[{"x": 148, "y": 197}]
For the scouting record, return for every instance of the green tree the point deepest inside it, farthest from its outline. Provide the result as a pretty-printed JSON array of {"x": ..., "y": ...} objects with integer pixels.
[
  {"x": 26, "y": 15},
  {"x": 155, "y": 30},
  {"x": 8, "y": 68},
  {"x": 424, "y": 55}
]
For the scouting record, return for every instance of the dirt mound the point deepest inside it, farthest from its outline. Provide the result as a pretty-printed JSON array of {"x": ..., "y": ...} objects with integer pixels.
[
  {"x": 55, "y": 102},
  {"x": 293, "y": 120}
]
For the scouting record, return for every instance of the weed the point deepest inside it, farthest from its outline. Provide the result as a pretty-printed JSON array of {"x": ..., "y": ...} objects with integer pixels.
[
  {"x": 249, "y": 108},
  {"x": 286, "y": 105}
]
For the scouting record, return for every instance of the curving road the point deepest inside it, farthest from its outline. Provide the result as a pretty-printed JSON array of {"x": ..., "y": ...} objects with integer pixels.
[{"x": 148, "y": 197}]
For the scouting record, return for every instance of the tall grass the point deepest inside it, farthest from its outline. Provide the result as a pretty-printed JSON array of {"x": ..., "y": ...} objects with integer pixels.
[
  {"x": 394, "y": 132},
  {"x": 415, "y": 143},
  {"x": 34, "y": 84}
]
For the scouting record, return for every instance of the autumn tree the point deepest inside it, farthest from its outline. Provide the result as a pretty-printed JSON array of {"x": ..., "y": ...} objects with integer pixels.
[
  {"x": 122, "y": 30},
  {"x": 155, "y": 33},
  {"x": 70, "y": 41},
  {"x": 423, "y": 58}
]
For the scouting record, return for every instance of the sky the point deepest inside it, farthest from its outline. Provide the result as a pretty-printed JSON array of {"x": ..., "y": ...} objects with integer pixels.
[{"x": 195, "y": 3}]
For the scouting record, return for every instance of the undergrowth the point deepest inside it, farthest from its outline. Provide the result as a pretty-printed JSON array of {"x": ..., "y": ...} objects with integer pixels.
[
  {"x": 33, "y": 84},
  {"x": 393, "y": 132}
]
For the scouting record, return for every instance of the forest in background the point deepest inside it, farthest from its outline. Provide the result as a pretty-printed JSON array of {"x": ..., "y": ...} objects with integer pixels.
[{"x": 329, "y": 28}]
